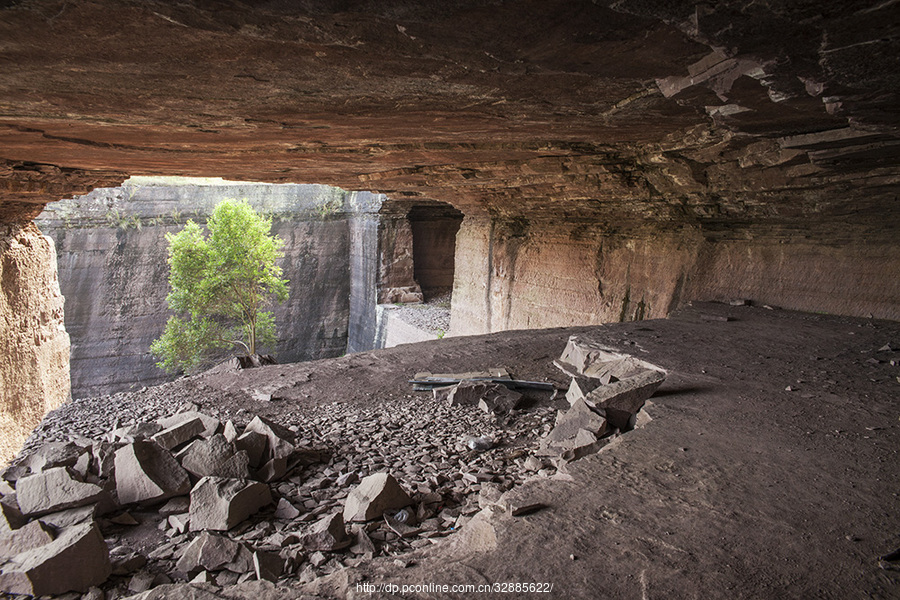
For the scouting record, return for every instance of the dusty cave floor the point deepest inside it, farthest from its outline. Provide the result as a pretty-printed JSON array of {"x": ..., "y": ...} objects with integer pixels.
[{"x": 770, "y": 468}]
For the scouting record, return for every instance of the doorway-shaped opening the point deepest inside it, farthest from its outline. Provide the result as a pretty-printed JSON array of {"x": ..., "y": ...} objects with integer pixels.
[{"x": 434, "y": 227}]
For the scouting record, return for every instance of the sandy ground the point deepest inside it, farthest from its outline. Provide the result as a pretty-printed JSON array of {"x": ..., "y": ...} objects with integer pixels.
[{"x": 770, "y": 468}]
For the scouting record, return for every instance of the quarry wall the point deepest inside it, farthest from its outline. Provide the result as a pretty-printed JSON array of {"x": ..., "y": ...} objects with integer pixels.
[
  {"x": 113, "y": 271},
  {"x": 518, "y": 274}
]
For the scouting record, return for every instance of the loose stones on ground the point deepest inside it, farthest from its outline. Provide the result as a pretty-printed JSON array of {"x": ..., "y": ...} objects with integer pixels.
[{"x": 329, "y": 487}]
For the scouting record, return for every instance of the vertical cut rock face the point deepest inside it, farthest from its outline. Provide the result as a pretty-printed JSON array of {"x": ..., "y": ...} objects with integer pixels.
[
  {"x": 114, "y": 274},
  {"x": 34, "y": 363}
]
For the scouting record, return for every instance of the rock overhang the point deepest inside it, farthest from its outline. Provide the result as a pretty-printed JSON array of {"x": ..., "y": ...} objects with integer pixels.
[{"x": 636, "y": 111}]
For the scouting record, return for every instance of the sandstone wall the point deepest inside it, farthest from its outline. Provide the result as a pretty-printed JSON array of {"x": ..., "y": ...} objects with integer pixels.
[
  {"x": 34, "y": 364},
  {"x": 113, "y": 272},
  {"x": 519, "y": 274}
]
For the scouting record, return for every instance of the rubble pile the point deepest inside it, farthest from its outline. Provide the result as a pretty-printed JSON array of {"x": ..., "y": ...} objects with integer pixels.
[
  {"x": 191, "y": 498},
  {"x": 607, "y": 391}
]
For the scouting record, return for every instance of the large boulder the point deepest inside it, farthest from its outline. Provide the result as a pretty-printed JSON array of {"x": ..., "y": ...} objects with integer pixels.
[
  {"x": 148, "y": 473},
  {"x": 218, "y": 503},
  {"x": 374, "y": 495},
  {"x": 215, "y": 456},
  {"x": 54, "y": 490},
  {"x": 74, "y": 561}
]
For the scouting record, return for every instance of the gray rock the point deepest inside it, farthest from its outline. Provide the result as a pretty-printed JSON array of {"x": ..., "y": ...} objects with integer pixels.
[
  {"x": 74, "y": 561},
  {"x": 285, "y": 510},
  {"x": 132, "y": 433},
  {"x": 11, "y": 516},
  {"x": 568, "y": 423},
  {"x": 267, "y": 566},
  {"x": 280, "y": 439},
  {"x": 468, "y": 393},
  {"x": 254, "y": 444},
  {"x": 622, "y": 399},
  {"x": 208, "y": 551},
  {"x": 229, "y": 431},
  {"x": 28, "y": 537},
  {"x": 499, "y": 400},
  {"x": 175, "y": 506},
  {"x": 53, "y": 490},
  {"x": 328, "y": 534},
  {"x": 72, "y": 516},
  {"x": 179, "y": 433},
  {"x": 374, "y": 495},
  {"x": 210, "y": 424},
  {"x": 581, "y": 387},
  {"x": 148, "y": 473},
  {"x": 219, "y": 504},
  {"x": 215, "y": 456},
  {"x": 273, "y": 470},
  {"x": 54, "y": 454}
]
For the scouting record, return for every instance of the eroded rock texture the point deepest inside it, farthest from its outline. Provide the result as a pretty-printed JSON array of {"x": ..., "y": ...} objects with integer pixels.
[{"x": 34, "y": 362}]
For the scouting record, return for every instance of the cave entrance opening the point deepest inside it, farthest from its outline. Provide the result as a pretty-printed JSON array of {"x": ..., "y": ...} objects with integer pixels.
[
  {"x": 417, "y": 251},
  {"x": 434, "y": 228}
]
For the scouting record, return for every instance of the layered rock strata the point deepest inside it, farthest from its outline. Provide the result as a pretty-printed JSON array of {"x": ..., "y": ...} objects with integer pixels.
[
  {"x": 34, "y": 362},
  {"x": 113, "y": 270}
]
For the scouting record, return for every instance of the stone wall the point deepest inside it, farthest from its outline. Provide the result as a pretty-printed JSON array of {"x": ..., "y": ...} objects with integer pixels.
[
  {"x": 34, "y": 364},
  {"x": 525, "y": 274},
  {"x": 113, "y": 271}
]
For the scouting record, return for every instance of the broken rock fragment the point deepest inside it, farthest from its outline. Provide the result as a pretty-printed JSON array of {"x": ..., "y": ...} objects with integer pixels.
[
  {"x": 147, "y": 473},
  {"x": 621, "y": 400},
  {"x": 179, "y": 433},
  {"x": 25, "y": 538},
  {"x": 374, "y": 495},
  {"x": 54, "y": 490},
  {"x": 218, "y": 503},
  {"x": 74, "y": 561},
  {"x": 208, "y": 551},
  {"x": 210, "y": 424},
  {"x": 215, "y": 456},
  {"x": 579, "y": 417},
  {"x": 328, "y": 534},
  {"x": 280, "y": 440}
]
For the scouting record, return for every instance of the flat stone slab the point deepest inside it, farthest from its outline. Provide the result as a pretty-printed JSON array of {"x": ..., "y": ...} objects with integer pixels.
[
  {"x": 54, "y": 490},
  {"x": 621, "y": 400},
  {"x": 179, "y": 433}
]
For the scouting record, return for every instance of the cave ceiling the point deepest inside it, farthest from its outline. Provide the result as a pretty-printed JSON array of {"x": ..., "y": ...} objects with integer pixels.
[{"x": 710, "y": 113}]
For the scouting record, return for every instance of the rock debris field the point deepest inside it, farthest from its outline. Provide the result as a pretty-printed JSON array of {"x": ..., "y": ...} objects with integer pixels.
[
  {"x": 151, "y": 491},
  {"x": 762, "y": 464}
]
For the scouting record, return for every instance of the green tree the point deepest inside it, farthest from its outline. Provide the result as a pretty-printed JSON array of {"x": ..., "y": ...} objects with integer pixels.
[{"x": 220, "y": 287}]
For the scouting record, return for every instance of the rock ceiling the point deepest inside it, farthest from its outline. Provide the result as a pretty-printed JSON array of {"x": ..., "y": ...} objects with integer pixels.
[{"x": 715, "y": 113}]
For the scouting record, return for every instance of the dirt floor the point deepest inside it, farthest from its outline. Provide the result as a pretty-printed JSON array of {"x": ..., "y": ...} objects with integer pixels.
[{"x": 770, "y": 467}]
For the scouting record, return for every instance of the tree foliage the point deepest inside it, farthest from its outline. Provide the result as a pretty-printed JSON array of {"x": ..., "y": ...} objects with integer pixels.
[{"x": 221, "y": 285}]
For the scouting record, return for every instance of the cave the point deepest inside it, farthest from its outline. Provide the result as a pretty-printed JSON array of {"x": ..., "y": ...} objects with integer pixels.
[
  {"x": 434, "y": 229},
  {"x": 710, "y": 188}
]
